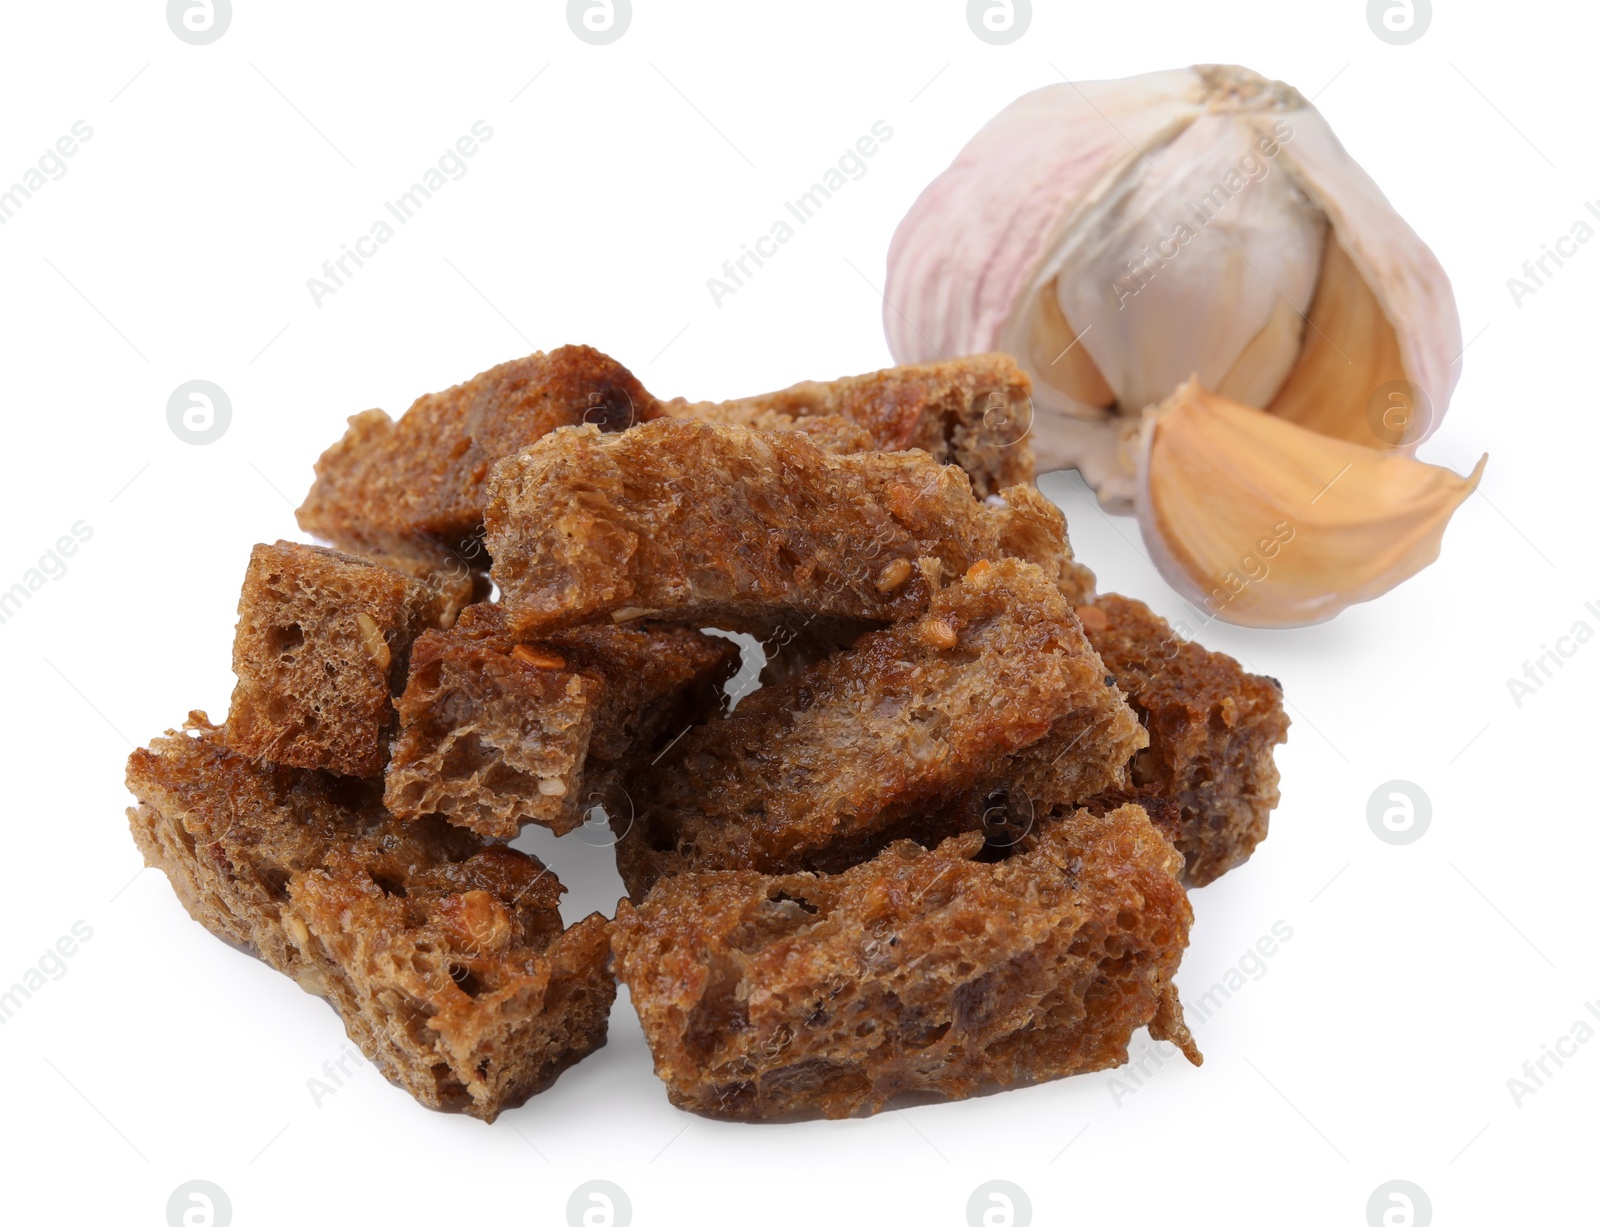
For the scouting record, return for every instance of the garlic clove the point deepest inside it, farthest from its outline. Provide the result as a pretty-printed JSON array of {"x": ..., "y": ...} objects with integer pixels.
[
  {"x": 1351, "y": 350},
  {"x": 1056, "y": 351},
  {"x": 1266, "y": 359},
  {"x": 1407, "y": 283},
  {"x": 1264, "y": 523},
  {"x": 1137, "y": 270}
]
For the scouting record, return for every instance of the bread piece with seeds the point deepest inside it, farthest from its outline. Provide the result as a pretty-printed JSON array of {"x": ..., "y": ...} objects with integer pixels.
[
  {"x": 686, "y": 520},
  {"x": 922, "y": 974},
  {"x": 993, "y": 685},
  {"x": 453, "y": 580},
  {"x": 975, "y": 412},
  {"x": 496, "y": 733},
  {"x": 445, "y": 956},
  {"x": 322, "y": 643}
]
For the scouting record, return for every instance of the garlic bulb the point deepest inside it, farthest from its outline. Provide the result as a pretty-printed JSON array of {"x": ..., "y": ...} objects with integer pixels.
[{"x": 1121, "y": 237}]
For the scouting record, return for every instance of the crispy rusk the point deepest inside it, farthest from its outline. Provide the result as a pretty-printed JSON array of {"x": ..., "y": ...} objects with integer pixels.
[
  {"x": 415, "y": 487},
  {"x": 975, "y": 412},
  {"x": 444, "y": 955},
  {"x": 322, "y": 643},
  {"x": 496, "y": 733},
  {"x": 993, "y": 687},
  {"x": 686, "y": 520},
  {"x": 1212, "y": 730},
  {"x": 922, "y": 974}
]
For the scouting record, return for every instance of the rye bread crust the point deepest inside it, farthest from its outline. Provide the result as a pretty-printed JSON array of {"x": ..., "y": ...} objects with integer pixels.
[
  {"x": 444, "y": 956},
  {"x": 1212, "y": 725},
  {"x": 975, "y": 412},
  {"x": 922, "y": 974},
  {"x": 685, "y": 520},
  {"x": 496, "y": 733},
  {"x": 320, "y": 648},
  {"x": 905, "y": 734}
]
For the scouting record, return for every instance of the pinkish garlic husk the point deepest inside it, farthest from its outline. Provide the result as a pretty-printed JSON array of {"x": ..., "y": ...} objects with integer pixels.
[{"x": 1122, "y": 237}]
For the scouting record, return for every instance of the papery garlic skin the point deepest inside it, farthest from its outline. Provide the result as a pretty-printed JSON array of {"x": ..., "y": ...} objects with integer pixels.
[
  {"x": 1262, "y": 523},
  {"x": 972, "y": 242},
  {"x": 1019, "y": 246},
  {"x": 1408, "y": 285},
  {"x": 1133, "y": 267}
]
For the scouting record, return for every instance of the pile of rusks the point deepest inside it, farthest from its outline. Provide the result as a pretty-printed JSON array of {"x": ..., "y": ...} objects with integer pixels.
[{"x": 943, "y": 849}]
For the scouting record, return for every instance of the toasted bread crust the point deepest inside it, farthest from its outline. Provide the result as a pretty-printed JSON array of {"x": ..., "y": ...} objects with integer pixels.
[
  {"x": 904, "y": 734},
  {"x": 322, "y": 643},
  {"x": 410, "y": 493},
  {"x": 495, "y": 733},
  {"x": 942, "y": 850},
  {"x": 417, "y": 485},
  {"x": 684, "y": 520},
  {"x": 1212, "y": 730},
  {"x": 975, "y": 412},
  {"x": 920, "y": 974},
  {"x": 444, "y": 956}
]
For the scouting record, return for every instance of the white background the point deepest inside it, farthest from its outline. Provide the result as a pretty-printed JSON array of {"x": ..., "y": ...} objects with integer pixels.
[{"x": 1379, "y": 1041}]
